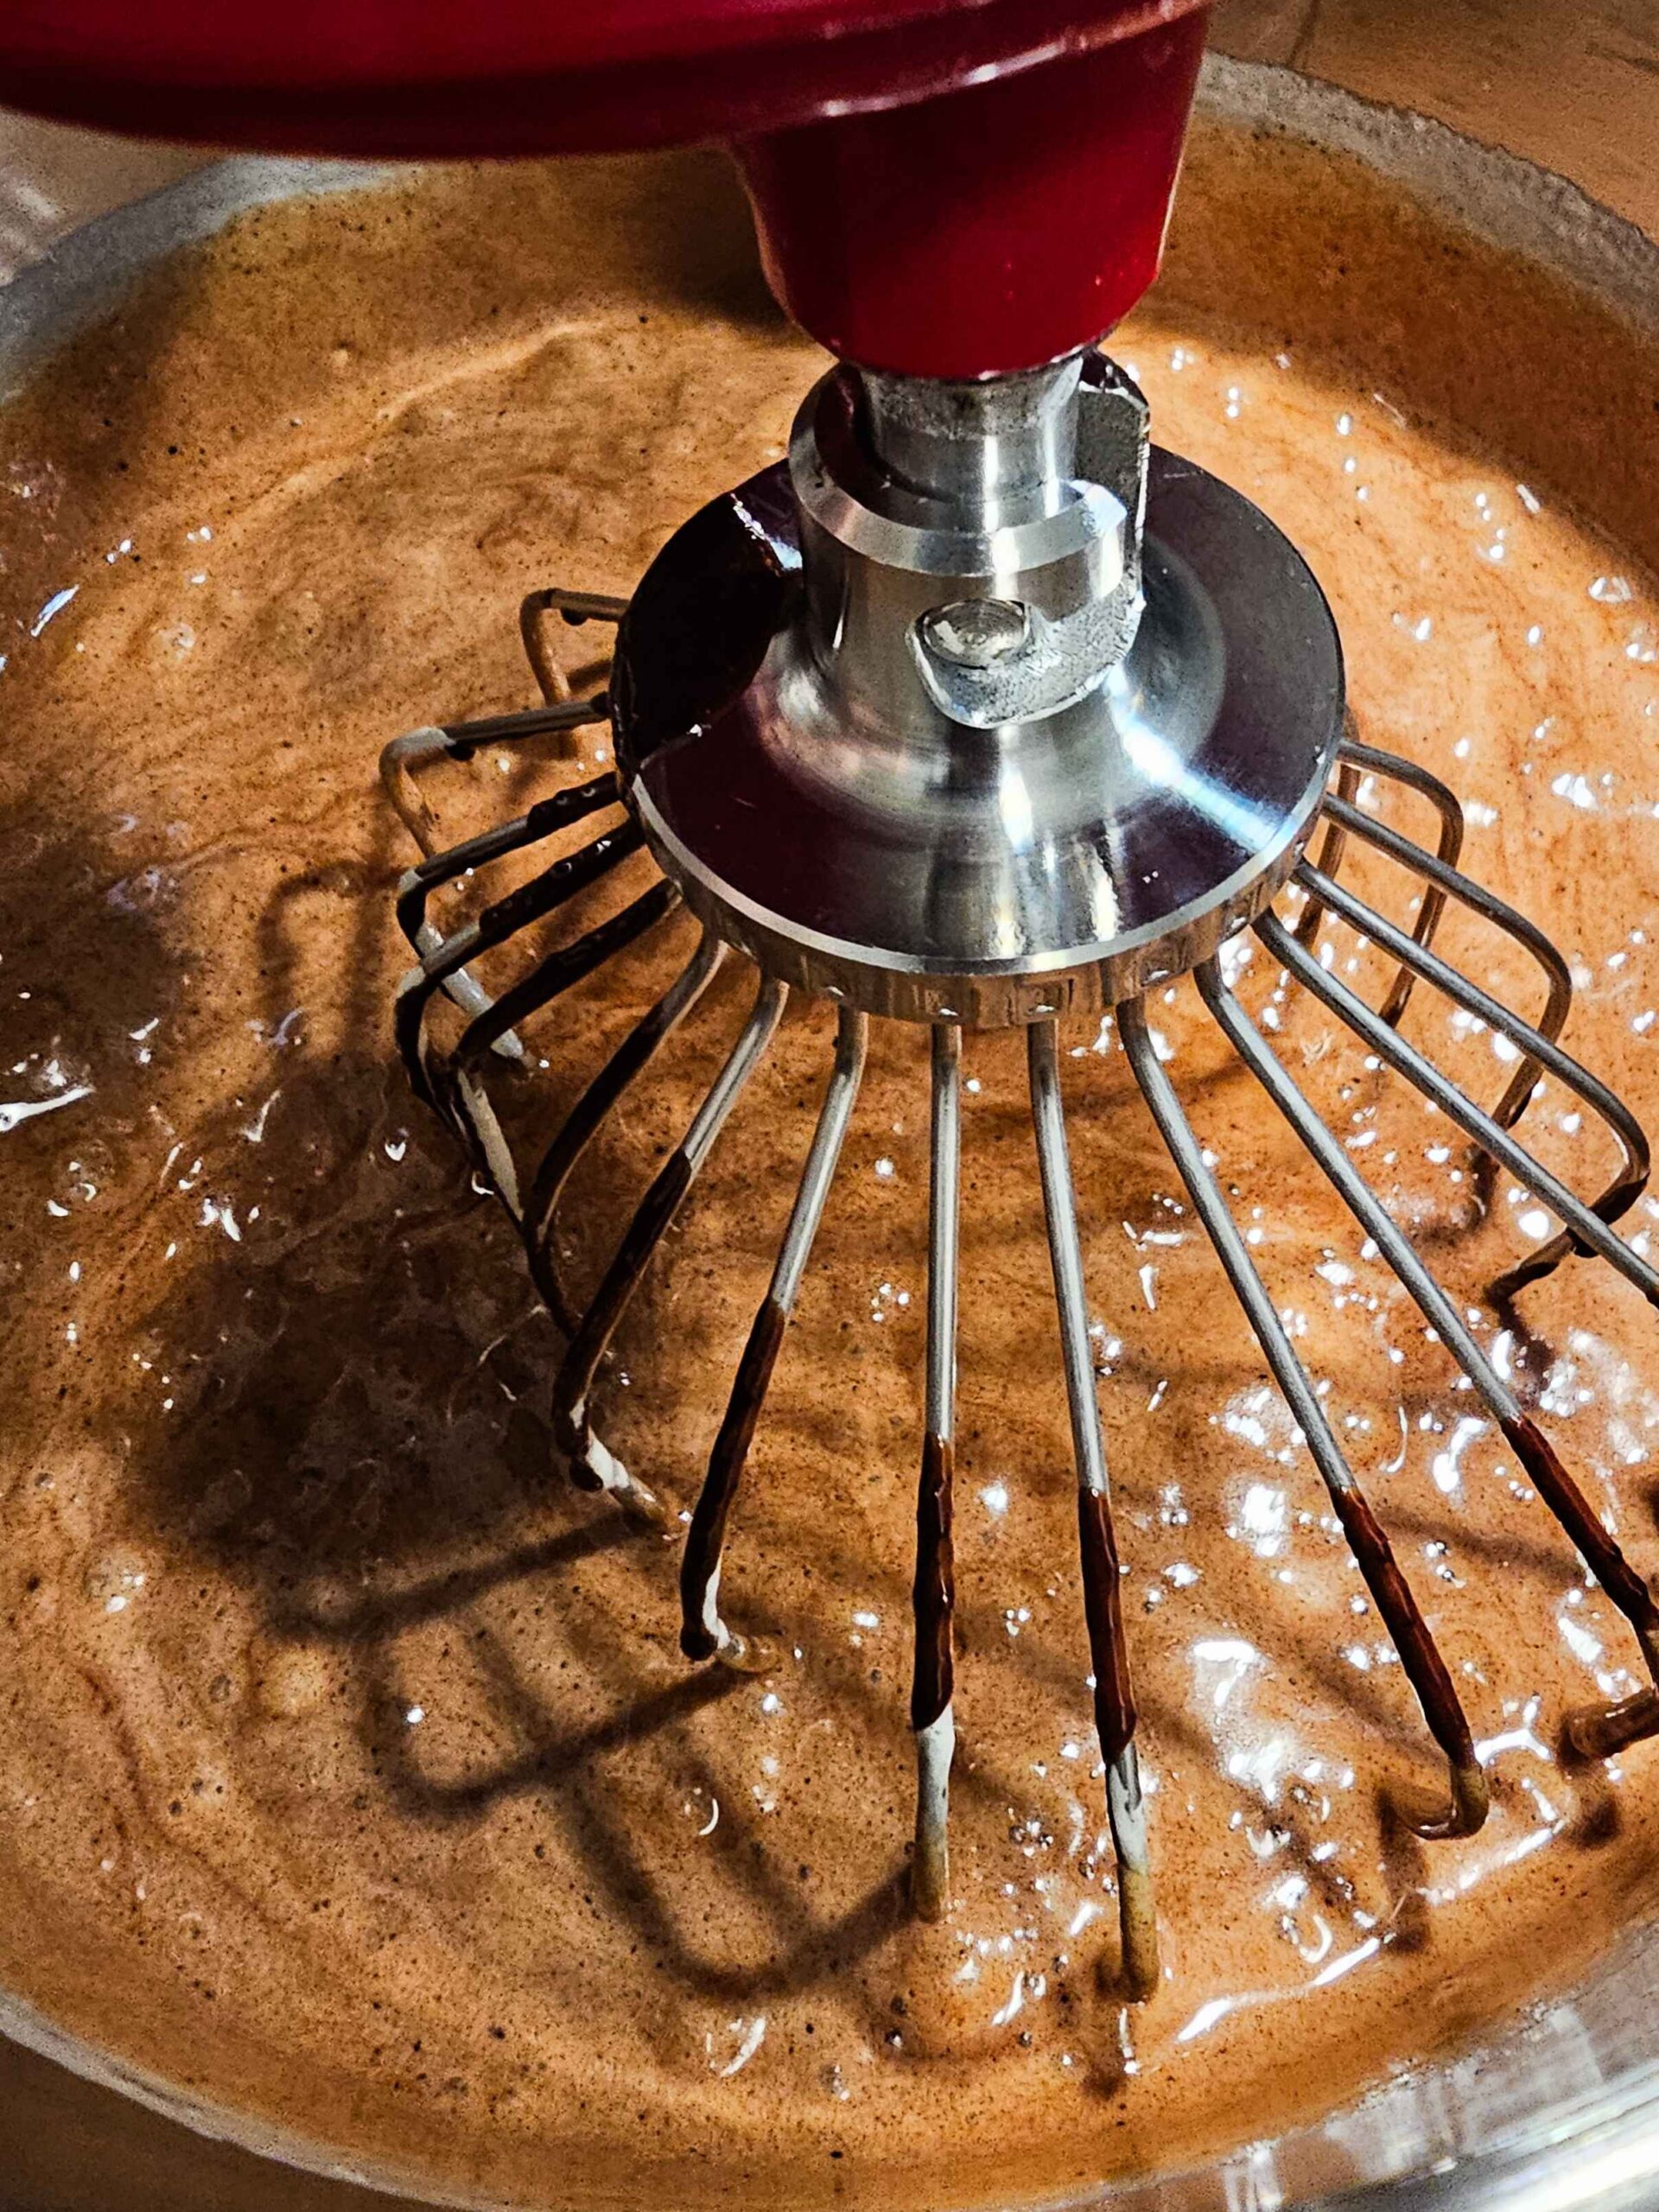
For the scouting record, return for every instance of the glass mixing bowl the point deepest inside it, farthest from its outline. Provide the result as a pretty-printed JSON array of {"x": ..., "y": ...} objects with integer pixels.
[{"x": 1561, "y": 2108}]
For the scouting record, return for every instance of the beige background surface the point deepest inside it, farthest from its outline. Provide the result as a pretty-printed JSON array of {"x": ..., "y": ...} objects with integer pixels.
[
  {"x": 1572, "y": 84},
  {"x": 52, "y": 179},
  {"x": 1575, "y": 87}
]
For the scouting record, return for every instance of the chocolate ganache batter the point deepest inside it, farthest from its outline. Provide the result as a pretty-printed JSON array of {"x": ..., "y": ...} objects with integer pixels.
[{"x": 350, "y": 1772}]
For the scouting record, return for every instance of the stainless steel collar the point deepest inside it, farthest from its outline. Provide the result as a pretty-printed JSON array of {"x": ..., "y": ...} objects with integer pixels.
[{"x": 978, "y": 707}]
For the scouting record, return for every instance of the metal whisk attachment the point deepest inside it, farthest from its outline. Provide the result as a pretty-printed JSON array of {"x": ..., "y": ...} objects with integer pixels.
[{"x": 979, "y": 712}]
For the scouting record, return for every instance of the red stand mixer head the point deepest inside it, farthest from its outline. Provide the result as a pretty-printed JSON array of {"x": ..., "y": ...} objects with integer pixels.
[
  {"x": 987, "y": 229},
  {"x": 941, "y": 189}
]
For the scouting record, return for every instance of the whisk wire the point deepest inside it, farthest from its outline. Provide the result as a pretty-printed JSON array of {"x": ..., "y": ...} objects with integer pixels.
[
  {"x": 1115, "y": 1710},
  {"x": 703, "y": 1632},
  {"x": 1356, "y": 760},
  {"x": 576, "y": 607},
  {"x": 454, "y": 1084},
  {"x": 531, "y": 901},
  {"x": 932, "y": 1682},
  {"x": 417, "y": 748},
  {"x": 1559, "y": 1492},
  {"x": 1419, "y": 1655},
  {"x": 1452, "y": 882},
  {"x": 1590, "y": 1228},
  {"x": 592, "y": 1466},
  {"x": 588, "y": 1116},
  {"x": 417, "y": 885}
]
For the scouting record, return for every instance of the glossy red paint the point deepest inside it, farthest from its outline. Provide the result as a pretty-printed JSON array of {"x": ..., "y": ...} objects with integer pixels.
[
  {"x": 948, "y": 187},
  {"x": 989, "y": 228}
]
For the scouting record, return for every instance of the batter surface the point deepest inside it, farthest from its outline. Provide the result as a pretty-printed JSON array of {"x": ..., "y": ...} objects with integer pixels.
[{"x": 349, "y": 1771}]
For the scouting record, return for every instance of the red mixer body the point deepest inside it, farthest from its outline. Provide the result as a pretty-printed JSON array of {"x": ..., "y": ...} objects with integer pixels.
[
  {"x": 989, "y": 228},
  {"x": 943, "y": 187}
]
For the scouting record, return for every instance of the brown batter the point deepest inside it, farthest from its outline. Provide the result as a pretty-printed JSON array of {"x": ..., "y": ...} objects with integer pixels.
[{"x": 349, "y": 1771}]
